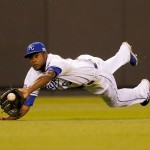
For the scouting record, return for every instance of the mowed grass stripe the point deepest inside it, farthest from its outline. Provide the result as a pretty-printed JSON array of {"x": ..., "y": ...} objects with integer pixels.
[
  {"x": 83, "y": 108},
  {"x": 71, "y": 123}
]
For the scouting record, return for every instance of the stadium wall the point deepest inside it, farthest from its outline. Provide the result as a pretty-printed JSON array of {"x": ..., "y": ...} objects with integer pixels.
[{"x": 70, "y": 28}]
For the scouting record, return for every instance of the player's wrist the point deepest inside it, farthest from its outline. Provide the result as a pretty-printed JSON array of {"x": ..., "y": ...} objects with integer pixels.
[{"x": 25, "y": 92}]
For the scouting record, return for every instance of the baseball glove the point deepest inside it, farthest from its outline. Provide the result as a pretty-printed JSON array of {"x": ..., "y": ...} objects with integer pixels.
[{"x": 12, "y": 108}]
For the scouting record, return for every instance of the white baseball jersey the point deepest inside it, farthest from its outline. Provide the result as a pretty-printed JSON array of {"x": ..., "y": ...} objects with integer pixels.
[
  {"x": 74, "y": 73},
  {"x": 94, "y": 74}
]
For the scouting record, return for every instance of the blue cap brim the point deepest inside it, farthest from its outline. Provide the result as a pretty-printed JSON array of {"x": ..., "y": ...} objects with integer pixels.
[{"x": 29, "y": 55}]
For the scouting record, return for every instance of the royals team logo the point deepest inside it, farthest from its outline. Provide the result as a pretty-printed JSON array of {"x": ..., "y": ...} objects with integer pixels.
[
  {"x": 53, "y": 85},
  {"x": 31, "y": 47},
  {"x": 57, "y": 84}
]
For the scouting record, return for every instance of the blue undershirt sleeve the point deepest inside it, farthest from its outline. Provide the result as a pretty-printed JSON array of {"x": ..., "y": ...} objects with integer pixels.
[{"x": 30, "y": 100}]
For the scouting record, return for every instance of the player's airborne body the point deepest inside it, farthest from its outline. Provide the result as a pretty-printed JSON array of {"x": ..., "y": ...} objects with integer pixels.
[{"x": 92, "y": 73}]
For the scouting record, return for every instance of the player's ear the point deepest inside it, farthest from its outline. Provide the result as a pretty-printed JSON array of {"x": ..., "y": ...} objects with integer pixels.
[{"x": 45, "y": 54}]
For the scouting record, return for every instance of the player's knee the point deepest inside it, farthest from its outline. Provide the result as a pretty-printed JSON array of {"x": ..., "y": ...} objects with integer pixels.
[
  {"x": 109, "y": 101},
  {"x": 111, "y": 105}
]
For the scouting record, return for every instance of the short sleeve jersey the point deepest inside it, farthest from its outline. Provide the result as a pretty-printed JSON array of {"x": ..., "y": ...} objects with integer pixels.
[{"x": 70, "y": 73}]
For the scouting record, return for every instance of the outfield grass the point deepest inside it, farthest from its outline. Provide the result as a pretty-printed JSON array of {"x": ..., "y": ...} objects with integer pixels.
[{"x": 79, "y": 123}]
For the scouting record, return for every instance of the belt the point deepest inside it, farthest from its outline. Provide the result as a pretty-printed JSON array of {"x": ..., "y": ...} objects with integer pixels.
[
  {"x": 95, "y": 65},
  {"x": 91, "y": 82}
]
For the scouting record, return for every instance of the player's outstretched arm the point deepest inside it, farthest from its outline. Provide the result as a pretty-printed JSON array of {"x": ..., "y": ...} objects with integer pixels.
[
  {"x": 24, "y": 110},
  {"x": 43, "y": 79}
]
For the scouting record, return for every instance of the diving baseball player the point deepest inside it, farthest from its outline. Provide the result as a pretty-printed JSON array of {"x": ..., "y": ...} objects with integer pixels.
[{"x": 92, "y": 73}]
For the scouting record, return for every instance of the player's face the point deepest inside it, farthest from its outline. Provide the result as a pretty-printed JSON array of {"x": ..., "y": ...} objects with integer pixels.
[{"x": 38, "y": 60}]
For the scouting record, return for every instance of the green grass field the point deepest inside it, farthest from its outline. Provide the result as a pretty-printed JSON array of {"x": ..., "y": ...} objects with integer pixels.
[{"x": 77, "y": 123}]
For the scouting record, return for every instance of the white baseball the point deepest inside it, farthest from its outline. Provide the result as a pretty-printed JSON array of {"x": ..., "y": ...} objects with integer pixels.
[{"x": 11, "y": 96}]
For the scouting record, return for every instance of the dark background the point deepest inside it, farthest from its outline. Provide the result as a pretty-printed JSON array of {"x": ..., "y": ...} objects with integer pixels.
[{"x": 73, "y": 27}]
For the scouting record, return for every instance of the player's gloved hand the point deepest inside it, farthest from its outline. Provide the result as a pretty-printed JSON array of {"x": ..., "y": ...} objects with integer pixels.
[{"x": 12, "y": 108}]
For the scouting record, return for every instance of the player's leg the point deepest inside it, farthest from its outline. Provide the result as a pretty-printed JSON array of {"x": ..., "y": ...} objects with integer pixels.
[
  {"x": 123, "y": 56},
  {"x": 139, "y": 94},
  {"x": 115, "y": 97}
]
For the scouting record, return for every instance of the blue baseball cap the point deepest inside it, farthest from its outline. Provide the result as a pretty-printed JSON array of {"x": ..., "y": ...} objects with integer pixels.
[{"x": 35, "y": 47}]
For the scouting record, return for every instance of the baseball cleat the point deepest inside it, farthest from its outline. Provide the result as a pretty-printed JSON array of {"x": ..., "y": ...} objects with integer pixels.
[
  {"x": 133, "y": 57},
  {"x": 148, "y": 97}
]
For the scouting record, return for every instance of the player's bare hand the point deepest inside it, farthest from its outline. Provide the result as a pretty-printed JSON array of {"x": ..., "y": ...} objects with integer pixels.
[{"x": 25, "y": 92}]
